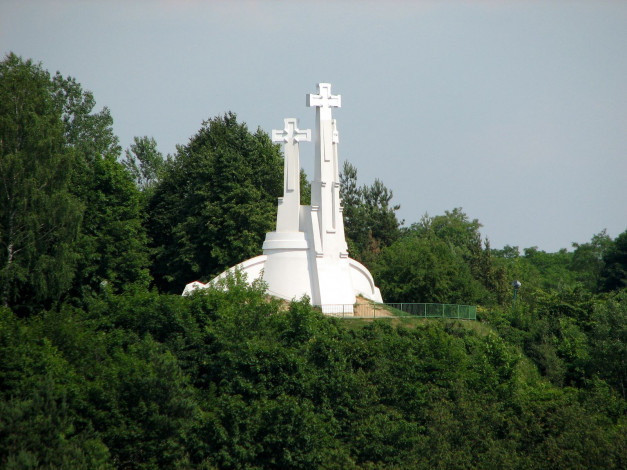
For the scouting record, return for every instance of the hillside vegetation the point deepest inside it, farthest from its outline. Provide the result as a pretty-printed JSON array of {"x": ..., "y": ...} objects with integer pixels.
[{"x": 103, "y": 364}]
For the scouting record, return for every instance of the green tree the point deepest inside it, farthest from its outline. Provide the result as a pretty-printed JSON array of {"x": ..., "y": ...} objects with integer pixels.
[
  {"x": 69, "y": 213},
  {"x": 370, "y": 221},
  {"x": 214, "y": 203},
  {"x": 305, "y": 189},
  {"x": 454, "y": 228},
  {"x": 39, "y": 217},
  {"x": 424, "y": 269},
  {"x": 508, "y": 252},
  {"x": 614, "y": 272},
  {"x": 463, "y": 238},
  {"x": 554, "y": 269},
  {"x": 144, "y": 162},
  {"x": 587, "y": 260},
  {"x": 143, "y": 407},
  {"x": 493, "y": 277},
  {"x": 112, "y": 240}
]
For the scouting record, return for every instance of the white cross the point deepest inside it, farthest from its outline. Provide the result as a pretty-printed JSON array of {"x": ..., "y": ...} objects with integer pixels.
[
  {"x": 324, "y": 100},
  {"x": 291, "y": 133}
]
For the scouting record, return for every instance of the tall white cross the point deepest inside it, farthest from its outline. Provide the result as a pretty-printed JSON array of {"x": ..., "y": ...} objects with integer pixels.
[
  {"x": 291, "y": 135},
  {"x": 324, "y": 100}
]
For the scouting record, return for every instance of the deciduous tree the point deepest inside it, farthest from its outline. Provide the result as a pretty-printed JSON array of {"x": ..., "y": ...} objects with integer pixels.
[
  {"x": 215, "y": 202},
  {"x": 614, "y": 272},
  {"x": 424, "y": 269},
  {"x": 39, "y": 216},
  {"x": 370, "y": 221},
  {"x": 112, "y": 240},
  {"x": 587, "y": 260},
  {"x": 144, "y": 162}
]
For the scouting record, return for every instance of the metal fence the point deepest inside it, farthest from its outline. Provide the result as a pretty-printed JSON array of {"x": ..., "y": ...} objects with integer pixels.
[
  {"x": 460, "y": 312},
  {"x": 392, "y": 310}
]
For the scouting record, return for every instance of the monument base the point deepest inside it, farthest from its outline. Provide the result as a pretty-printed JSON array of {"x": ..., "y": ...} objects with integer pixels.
[
  {"x": 286, "y": 270},
  {"x": 294, "y": 265}
]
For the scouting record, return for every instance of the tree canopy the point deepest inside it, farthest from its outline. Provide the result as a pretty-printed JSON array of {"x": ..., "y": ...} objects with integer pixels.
[
  {"x": 613, "y": 275},
  {"x": 215, "y": 202},
  {"x": 39, "y": 216},
  {"x": 69, "y": 213},
  {"x": 370, "y": 220}
]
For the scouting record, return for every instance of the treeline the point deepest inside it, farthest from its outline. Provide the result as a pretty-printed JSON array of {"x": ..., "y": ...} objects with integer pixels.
[
  {"x": 234, "y": 380},
  {"x": 104, "y": 365}
]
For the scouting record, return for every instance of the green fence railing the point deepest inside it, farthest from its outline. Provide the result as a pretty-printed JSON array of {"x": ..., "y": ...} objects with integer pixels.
[
  {"x": 375, "y": 310},
  {"x": 460, "y": 312}
]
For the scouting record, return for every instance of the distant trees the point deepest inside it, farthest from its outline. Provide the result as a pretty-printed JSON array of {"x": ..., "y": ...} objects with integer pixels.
[
  {"x": 609, "y": 341},
  {"x": 454, "y": 228},
  {"x": 599, "y": 265},
  {"x": 424, "y": 269}
]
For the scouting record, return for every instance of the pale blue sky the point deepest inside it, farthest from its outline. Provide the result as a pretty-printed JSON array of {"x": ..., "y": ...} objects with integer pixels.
[{"x": 514, "y": 111}]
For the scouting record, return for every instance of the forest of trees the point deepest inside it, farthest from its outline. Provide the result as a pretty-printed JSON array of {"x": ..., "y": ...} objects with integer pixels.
[{"x": 103, "y": 364}]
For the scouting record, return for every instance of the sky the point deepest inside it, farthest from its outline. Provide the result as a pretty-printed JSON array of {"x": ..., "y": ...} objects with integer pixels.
[{"x": 514, "y": 111}]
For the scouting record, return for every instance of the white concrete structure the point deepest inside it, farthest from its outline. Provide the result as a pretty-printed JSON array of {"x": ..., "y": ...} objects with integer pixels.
[{"x": 307, "y": 253}]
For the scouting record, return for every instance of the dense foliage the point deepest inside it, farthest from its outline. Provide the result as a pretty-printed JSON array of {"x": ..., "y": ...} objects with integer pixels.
[
  {"x": 100, "y": 367},
  {"x": 214, "y": 203},
  {"x": 441, "y": 259},
  {"x": 229, "y": 379},
  {"x": 69, "y": 212}
]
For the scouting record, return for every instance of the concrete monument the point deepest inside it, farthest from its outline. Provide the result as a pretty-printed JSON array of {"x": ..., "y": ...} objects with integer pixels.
[{"x": 307, "y": 253}]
